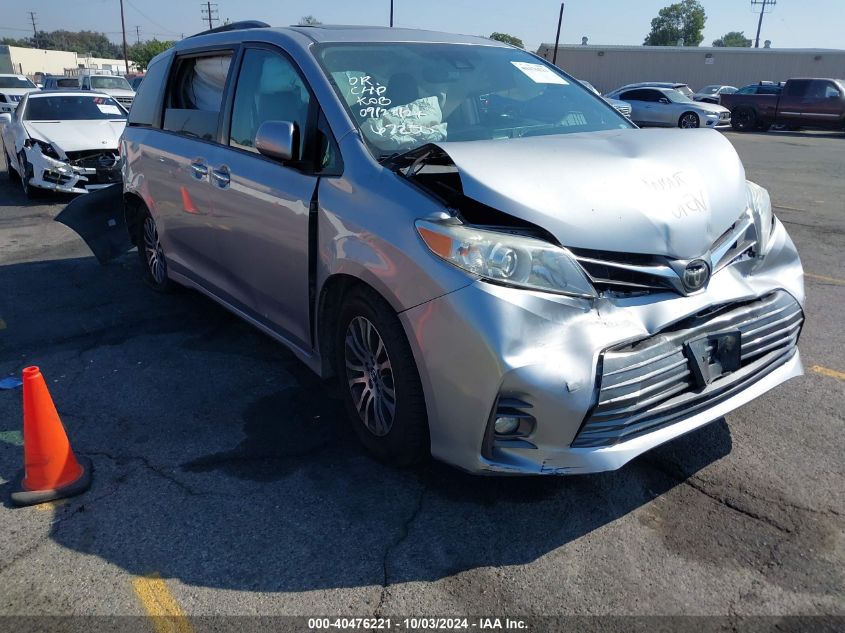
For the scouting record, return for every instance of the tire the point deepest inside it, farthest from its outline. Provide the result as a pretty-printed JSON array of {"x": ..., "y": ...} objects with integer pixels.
[
  {"x": 29, "y": 191},
  {"x": 372, "y": 355},
  {"x": 689, "y": 120},
  {"x": 743, "y": 119},
  {"x": 151, "y": 254},
  {"x": 11, "y": 173}
]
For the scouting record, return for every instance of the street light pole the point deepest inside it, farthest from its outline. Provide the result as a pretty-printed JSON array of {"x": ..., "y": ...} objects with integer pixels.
[
  {"x": 391, "y": 13},
  {"x": 557, "y": 37},
  {"x": 123, "y": 27}
]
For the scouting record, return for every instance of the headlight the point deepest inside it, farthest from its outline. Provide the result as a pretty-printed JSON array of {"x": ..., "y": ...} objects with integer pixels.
[
  {"x": 513, "y": 260},
  {"x": 761, "y": 210},
  {"x": 46, "y": 148}
]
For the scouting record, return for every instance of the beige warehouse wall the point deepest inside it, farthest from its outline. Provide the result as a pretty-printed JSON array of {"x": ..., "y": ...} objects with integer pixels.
[
  {"x": 28, "y": 61},
  {"x": 608, "y": 67}
]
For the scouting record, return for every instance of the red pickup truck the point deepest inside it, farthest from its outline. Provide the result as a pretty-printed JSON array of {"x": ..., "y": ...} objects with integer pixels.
[{"x": 809, "y": 103}]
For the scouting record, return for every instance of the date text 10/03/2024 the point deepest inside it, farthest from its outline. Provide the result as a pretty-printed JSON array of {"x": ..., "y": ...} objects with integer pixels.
[{"x": 419, "y": 624}]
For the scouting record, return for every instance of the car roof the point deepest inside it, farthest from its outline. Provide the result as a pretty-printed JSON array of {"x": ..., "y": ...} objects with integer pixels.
[{"x": 334, "y": 33}]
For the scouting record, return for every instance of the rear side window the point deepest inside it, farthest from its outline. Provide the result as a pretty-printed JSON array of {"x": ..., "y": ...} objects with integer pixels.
[
  {"x": 195, "y": 94},
  {"x": 634, "y": 95},
  {"x": 797, "y": 87},
  {"x": 146, "y": 106}
]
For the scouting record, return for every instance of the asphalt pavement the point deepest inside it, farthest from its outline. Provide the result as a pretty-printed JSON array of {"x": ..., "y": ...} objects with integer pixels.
[{"x": 228, "y": 482}]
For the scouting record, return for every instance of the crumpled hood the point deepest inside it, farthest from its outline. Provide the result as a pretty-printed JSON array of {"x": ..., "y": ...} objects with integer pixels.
[
  {"x": 660, "y": 192},
  {"x": 74, "y": 136}
]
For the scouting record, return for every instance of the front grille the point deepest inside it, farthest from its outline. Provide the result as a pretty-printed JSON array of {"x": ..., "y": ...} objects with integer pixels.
[
  {"x": 650, "y": 384},
  {"x": 724, "y": 116},
  {"x": 626, "y": 109},
  {"x": 634, "y": 273},
  {"x": 125, "y": 101},
  {"x": 96, "y": 159}
]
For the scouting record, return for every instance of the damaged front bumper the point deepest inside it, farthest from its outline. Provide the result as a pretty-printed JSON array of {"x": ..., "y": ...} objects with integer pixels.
[
  {"x": 75, "y": 175},
  {"x": 596, "y": 383}
]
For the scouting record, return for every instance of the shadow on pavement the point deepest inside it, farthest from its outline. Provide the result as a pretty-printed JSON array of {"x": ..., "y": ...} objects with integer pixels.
[{"x": 223, "y": 462}]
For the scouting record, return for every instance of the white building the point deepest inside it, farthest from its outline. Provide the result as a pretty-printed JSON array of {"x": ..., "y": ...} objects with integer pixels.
[{"x": 29, "y": 61}]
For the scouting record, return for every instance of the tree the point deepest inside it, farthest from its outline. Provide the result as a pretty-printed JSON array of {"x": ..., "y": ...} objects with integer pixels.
[
  {"x": 309, "y": 20},
  {"x": 142, "y": 52},
  {"x": 507, "y": 39},
  {"x": 10, "y": 41},
  {"x": 682, "y": 20},
  {"x": 735, "y": 39}
]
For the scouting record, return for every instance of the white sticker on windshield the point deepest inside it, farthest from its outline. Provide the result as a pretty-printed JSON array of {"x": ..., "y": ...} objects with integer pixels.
[
  {"x": 105, "y": 108},
  {"x": 540, "y": 74}
]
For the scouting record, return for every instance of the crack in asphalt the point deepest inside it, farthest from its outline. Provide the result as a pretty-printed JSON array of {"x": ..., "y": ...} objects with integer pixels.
[
  {"x": 403, "y": 535},
  {"x": 697, "y": 485},
  {"x": 158, "y": 470}
]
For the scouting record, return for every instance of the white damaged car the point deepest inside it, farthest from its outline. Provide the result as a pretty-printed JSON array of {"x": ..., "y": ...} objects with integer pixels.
[{"x": 63, "y": 141}]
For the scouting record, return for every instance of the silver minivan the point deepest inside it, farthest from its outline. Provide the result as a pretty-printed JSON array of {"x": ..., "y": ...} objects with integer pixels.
[{"x": 500, "y": 269}]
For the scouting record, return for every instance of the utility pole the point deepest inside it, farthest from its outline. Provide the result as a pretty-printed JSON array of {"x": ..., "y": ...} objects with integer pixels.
[
  {"x": 123, "y": 28},
  {"x": 209, "y": 12},
  {"x": 557, "y": 37},
  {"x": 391, "y": 13},
  {"x": 763, "y": 4},
  {"x": 137, "y": 34},
  {"x": 34, "y": 31}
]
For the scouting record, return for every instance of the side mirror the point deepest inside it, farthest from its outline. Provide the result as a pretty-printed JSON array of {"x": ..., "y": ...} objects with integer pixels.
[
  {"x": 5, "y": 118},
  {"x": 664, "y": 100},
  {"x": 278, "y": 140}
]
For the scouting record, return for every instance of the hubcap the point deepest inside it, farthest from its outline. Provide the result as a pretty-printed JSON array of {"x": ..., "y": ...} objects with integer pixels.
[
  {"x": 689, "y": 121},
  {"x": 153, "y": 252},
  {"x": 370, "y": 376}
]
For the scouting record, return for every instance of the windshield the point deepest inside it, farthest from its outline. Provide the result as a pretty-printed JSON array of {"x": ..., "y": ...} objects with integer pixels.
[
  {"x": 16, "y": 82},
  {"x": 67, "y": 83},
  {"x": 709, "y": 90},
  {"x": 404, "y": 95},
  {"x": 110, "y": 83},
  {"x": 73, "y": 108},
  {"x": 676, "y": 97}
]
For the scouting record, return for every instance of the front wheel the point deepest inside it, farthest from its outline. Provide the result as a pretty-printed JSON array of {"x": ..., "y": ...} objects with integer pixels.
[
  {"x": 151, "y": 254},
  {"x": 688, "y": 120},
  {"x": 743, "y": 119},
  {"x": 26, "y": 173},
  {"x": 10, "y": 172},
  {"x": 382, "y": 389}
]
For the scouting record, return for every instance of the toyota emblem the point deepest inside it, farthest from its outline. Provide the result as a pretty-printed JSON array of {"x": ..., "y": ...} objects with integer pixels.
[{"x": 696, "y": 274}]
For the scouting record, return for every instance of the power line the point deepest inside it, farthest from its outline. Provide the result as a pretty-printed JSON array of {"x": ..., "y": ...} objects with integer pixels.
[
  {"x": 209, "y": 12},
  {"x": 150, "y": 20},
  {"x": 763, "y": 4}
]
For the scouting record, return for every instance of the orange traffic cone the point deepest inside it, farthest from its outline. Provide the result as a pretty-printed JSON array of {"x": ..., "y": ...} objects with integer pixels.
[{"x": 51, "y": 470}]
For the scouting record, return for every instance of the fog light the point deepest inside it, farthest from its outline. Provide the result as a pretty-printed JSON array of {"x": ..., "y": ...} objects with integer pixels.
[{"x": 506, "y": 425}]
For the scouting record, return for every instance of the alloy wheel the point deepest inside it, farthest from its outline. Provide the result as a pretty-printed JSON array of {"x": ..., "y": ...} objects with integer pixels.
[
  {"x": 153, "y": 252},
  {"x": 369, "y": 376},
  {"x": 689, "y": 120}
]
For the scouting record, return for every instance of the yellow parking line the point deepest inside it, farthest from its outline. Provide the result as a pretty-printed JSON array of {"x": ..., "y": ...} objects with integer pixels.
[
  {"x": 50, "y": 505},
  {"x": 830, "y": 373},
  {"x": 825, "y": 278},
  {"x": 161, "y": 607}
]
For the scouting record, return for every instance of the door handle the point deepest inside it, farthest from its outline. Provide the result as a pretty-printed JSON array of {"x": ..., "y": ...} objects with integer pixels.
[
  {"x": 199, "y": 168},
  {"x": 221, "y": 176}
]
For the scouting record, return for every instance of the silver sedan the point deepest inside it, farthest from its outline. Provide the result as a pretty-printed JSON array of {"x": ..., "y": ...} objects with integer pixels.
[{"x": 665, "y": 107}]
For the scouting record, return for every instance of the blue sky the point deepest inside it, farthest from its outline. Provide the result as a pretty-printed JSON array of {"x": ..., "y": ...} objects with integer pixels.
[{"x": 792, "y": 23}]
